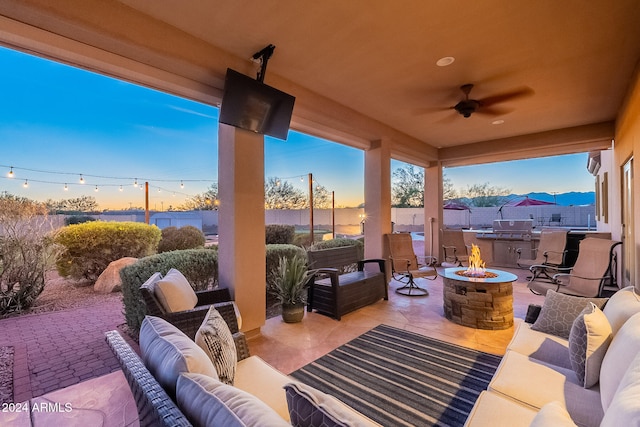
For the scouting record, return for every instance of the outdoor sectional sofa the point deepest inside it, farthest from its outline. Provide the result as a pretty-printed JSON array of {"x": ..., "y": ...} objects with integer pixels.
[{"x": 536, "y": 383}]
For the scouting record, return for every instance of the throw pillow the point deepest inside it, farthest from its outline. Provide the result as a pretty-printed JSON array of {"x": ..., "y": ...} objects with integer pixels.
[
  {"x": 208, "y": 402},
  {"x": 309, "y": 407},
  {"x": 559, "y": 311},
  {"x": 167, "y": 352},
  {"x": 215, "y": 338},
  {"x": 175, "y": 293},
  {"x": 552, "y": 414},
  {"x": 589, "y": 339}
]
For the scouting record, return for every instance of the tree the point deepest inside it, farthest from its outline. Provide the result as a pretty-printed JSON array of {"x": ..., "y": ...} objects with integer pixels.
[
  {"x": 206, "y": 201},
  {"x": 84, "y": 204},
  {"x": 407, "y": 187},
  {"x": 321, "y": 198},
  {"x": 484, "y": 195},
  {"x": 448, "y": 192},
  {"x": 280, "y": 194}
]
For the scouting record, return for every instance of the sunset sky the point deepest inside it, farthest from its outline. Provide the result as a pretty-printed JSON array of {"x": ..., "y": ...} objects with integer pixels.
[{"x": 58, "y": 123}]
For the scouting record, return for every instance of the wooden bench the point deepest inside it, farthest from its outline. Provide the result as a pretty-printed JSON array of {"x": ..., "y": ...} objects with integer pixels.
[{"x": 334, "y": 293}]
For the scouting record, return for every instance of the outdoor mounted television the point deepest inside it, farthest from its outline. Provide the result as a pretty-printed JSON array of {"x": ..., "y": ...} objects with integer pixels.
[{"x": 252, "y": 105}]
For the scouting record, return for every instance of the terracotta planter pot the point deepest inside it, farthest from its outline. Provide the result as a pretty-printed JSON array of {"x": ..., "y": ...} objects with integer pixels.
[{"x": 292, "y": 313}]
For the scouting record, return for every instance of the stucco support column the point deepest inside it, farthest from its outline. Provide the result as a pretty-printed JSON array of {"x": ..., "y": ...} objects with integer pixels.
[
  {"x": 377, "y": 198},
  {"x": 433, "y": 220},
  {"x": 241, "y": 254}
]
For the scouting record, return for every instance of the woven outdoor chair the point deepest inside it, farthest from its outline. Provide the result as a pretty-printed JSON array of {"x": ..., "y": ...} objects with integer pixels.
[
  {"x": 589, "y": 274},
  {"x": 455, "y": 250},
  {"x": 189, "y": 321},
  {"x": 405, "y": 267}
]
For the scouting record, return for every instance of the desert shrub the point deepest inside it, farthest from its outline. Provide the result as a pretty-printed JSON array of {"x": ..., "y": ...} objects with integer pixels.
[
  {"x": 187, "y": 237},
  {"x": 26, "y": 252},
  {"x": 274, "y": 253},
  {"x": 279, "y": 234},
  {"x": 90, "y": 247},
  {"x": 78, "y": 219},
  {"x": 199, "y": 266},
  {"x": 304, "y": 239}
]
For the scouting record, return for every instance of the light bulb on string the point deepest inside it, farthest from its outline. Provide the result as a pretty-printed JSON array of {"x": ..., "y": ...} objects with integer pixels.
[
  {"x": 96, "y": 189},
  {"x": 135, "y": 183},
  {"x": 81, "y": 179},
  {"x": 10, "y": 174},
  {"x": 121, "y": 189},
  {"x": 65, "y": 187},
  {"x": 181, "y": 184},
  {"x": 26, "y": 183}
]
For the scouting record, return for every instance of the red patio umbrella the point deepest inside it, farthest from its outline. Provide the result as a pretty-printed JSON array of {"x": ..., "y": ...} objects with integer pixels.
[
  {"x": 456, "y": 206},
  {"x": 528, "y": 202}
]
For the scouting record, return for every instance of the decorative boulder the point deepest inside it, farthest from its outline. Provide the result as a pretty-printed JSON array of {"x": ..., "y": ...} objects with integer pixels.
[{"x": 109, "y": 281}]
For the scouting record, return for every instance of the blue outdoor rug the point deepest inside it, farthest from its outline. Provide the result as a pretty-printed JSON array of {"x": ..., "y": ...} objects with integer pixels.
[{"x": 399, "y": 378}]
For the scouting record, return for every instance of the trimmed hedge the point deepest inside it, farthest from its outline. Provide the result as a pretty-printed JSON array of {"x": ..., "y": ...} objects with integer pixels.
[
  {"x": 279, "y": 234},
  {"x": 187, "y": 237},
  {"x": 199, "y": 266},
  {"x": 274, "y": 253},
  {"x": 339, "y": 242},
  {"x": 90, "y": 247}
]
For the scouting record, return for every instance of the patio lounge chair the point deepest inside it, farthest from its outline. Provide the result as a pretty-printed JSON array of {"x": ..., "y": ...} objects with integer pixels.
[
  {"x": 550, "y": 252},
  {"x": 405, "y": 266},
  {"x": 589, "y": 274},
  {"x": 188, "y": 321},
  {"x": 455, "y": 250}
]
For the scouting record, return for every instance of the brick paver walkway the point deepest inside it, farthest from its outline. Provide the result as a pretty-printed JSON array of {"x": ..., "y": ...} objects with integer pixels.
[{"x": 57, "y": 349}]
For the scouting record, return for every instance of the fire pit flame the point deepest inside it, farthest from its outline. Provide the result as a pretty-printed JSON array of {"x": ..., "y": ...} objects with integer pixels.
[{"x": 476, "y": 265}]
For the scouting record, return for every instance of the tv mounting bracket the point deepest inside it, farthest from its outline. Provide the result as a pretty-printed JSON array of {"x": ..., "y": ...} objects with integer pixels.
[{"x": 263, "y": 56}]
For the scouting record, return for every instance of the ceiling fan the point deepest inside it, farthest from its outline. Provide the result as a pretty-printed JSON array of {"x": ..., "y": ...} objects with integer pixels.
[{"x": 467, "y": 106}]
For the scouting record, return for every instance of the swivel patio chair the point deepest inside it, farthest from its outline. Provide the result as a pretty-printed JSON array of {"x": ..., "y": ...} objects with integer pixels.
[
  {"x": 455, "y": 250},
  {"x": 405, "y": 267},
  {"x": 549, "y": 255},
  {"x": 589, "y": 274}
]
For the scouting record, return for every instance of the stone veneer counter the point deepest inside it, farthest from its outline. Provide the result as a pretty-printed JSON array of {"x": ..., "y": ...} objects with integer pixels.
[{"x": 476, "y": 302}]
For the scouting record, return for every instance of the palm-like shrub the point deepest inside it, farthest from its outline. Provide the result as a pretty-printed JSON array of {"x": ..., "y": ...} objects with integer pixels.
[
  {"x": 90, "y": 247},
  {"x": 290, "y": 280},
  {"x": 26, "y": 252}
]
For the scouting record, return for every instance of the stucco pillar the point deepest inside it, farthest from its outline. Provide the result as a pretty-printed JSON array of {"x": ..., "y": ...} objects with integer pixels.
[
  {"x": 241, "y": 254},
  {"x": 377, "y": 198},
  {"x": 433, "y": 220}
]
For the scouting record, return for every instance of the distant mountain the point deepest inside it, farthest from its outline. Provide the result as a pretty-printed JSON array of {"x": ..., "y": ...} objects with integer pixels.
[{"x": 572, "y": 198}]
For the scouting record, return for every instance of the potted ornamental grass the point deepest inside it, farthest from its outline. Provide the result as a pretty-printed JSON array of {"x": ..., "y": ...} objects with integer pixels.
[{"x": 290, "y": 286}]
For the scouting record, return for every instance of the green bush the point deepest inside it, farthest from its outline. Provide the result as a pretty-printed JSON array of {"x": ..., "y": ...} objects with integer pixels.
[
  {"x": 187, "y": 237},
  {"x": 274, "y": 253},
  {"x": 279, "y": 234},
  {"x": 339, "y": 242},
  {"x": 199, "y": 266},
  {"x": 78, "y": 219},
  {"x": 90, "y": 247}
]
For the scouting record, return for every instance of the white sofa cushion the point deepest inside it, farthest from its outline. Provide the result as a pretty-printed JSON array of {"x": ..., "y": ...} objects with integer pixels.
[
  {"x": 588, "y": 342},
  {"x": 167, "y": 352},
  {"x": 208, "y": 402},
  {"x": 309, "y": 407},
  {"x": 559, "y": 311},
  {"x": 534, "y": 383},
  {"x": 621, "y": 306},
  {"x": 215, "y": 338},
  {"x": 175, "y": 293},
  {"x": 257, "y": 377},
  {"x": 624, "y": 347},
  {"x": 553, "y": 414},
  {"x": 624, "y": 409},
  {"x": 495, "y": 410},
  {"x": 538, "y": 345}
]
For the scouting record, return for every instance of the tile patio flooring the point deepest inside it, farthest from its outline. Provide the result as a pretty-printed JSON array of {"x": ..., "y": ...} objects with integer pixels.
[{"x": 59, "y": 349}]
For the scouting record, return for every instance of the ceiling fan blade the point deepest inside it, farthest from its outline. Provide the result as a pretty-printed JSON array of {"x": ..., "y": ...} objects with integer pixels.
[
  {"x": 427, "y": 110},
  {"x": 522, "y": 92},
  {"x": 493, "y": 111}
]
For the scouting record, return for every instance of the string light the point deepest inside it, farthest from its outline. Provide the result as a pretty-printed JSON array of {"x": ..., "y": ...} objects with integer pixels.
[
  {"x": 65, "y": 187},
  {"x": 81, "y": 179},
  {"x": 10, "y": 174},
  {"x": 121, "y": 189},
  {"x": 181, "y": 184},
  {"x": 26, "y": 183},
  {"x": 135, "y": 183},
  {"x": 96, "y": 190}
]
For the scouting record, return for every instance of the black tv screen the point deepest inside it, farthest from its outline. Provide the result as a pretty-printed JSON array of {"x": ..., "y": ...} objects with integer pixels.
[{"x": 254, "y": 106}]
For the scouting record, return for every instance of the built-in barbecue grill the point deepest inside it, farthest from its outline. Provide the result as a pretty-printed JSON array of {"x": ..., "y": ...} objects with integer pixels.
[{"x": 506, "y": 229}]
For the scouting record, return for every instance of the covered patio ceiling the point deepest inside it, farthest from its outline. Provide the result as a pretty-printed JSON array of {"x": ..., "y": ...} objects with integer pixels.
[{"x": 366, "y": 70}]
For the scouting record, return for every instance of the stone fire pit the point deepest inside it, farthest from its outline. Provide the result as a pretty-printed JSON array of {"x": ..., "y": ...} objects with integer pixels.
[{"x": 479, "y": 302}]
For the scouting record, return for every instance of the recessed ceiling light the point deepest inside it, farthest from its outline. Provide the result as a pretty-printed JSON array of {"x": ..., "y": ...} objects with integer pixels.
[
  {"x": 497, "y": 122},
  {"x": 443, "y": 62}
]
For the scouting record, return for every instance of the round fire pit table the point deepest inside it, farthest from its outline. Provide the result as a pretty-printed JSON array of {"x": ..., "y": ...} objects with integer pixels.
[{"x": 479, "y": 302}]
